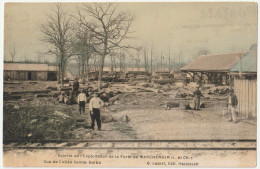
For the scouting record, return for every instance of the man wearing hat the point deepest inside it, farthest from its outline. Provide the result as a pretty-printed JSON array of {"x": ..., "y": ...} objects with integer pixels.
[
  {"x": 232, "y": 104},
  {"x": 94, "y": 105},
  {"x": 82, "y": 99}
]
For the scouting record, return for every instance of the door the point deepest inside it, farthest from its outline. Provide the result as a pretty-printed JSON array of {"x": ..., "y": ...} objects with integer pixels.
[{"x": 29, "y": 75}]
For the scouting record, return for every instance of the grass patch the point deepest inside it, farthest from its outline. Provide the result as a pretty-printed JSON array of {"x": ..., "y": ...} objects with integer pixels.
[{"x": 38, "y": 123}]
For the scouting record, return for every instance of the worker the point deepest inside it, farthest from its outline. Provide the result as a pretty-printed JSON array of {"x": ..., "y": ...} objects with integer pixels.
[
  {"x": 75, "y": 88},
  {"x": 197, "y": 95},
  {"x": 82, "y": 99},
  {"x": 232, "y": 105},
  {"x": 94, "y": 105}
]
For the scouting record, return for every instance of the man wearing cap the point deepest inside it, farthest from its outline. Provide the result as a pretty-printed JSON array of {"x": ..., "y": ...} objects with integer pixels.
[
  {"x": 94, "y": 105},
  {"x": 232, "y": 104},
  {"x": 82, "y": 99}
]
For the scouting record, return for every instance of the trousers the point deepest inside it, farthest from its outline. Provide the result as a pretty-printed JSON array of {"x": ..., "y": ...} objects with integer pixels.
[
  {"x": 233, "y": 114},
  {"x": 196, "y": 103},
  {"x": 82, "y": 106},
  {"x": 95, "y": 117}
]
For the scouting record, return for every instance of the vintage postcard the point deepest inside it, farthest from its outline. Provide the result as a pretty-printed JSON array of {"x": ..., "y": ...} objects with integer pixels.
[{"x": 130, "y": 84}]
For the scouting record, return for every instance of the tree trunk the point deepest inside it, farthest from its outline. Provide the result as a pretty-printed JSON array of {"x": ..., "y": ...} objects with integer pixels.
[
  {"x": 58, "y": 79},
  {"x": 62, "y": 74},
  {"x": 145, "y": 63},
  {"x": 102, "y": 59},
  {"x": 82, "y": 68},
  {"x": 87, "y": 69},
  {"x": 112, "y": 64}
]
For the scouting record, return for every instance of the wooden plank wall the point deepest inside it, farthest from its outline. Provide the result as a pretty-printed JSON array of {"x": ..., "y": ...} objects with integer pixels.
[{"x": 246, "y": 91}]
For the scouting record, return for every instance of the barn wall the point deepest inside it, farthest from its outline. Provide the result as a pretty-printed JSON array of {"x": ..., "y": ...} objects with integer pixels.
[
  {"x": 41, "y": 75},
  {"x": 246, "y": 91},
  {"x": 15, "y": 75},
  {"x": 23, "y": 75}
]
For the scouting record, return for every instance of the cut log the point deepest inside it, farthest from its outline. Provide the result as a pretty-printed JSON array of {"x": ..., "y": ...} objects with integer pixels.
[
  {"x": 170, "y": 105},
  {"x": 16, "y": 83},
  {"x": 35, "y": 91},
  {"x": 51, "y": 88},
  {"x": 12, "y": 97},
  {"x": 113, "y": 99},
  {"x": 43, "y": 95},
  {"x": 66, "y": 89}
]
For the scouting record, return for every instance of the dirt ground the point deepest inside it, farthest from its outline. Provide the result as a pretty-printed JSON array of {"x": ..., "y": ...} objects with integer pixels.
[{"x": 136, "y": 115}]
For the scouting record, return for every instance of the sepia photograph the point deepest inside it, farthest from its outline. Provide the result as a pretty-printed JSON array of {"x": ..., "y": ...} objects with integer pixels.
[{"x": 130, "y": 84}]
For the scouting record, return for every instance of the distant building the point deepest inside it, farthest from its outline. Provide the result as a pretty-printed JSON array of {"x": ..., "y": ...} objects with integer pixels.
[
  {"x": 136, "y": 72},
  {"x": 105, "y": 70},
  {"x": 29, "y": 71},
  {"x": 162, "y": 72},
  {"x": 244, "y": 82},
  {"x": 212, "y": 68}
]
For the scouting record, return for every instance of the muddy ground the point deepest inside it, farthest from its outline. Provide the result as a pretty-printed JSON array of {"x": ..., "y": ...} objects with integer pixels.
[{"x": 137, "y": 114}]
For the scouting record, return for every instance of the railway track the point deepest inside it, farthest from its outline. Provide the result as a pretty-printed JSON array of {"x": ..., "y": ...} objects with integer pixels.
[{"x": 249, "y": 145}]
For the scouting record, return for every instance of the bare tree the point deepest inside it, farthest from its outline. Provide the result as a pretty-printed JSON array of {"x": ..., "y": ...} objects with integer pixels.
[
  {"x": 57, "y": 32},
  {"x": 138, "y": 57},
  {"x": 12, "y": 52},
  {"x": 84, "y": 49},
  {"x": 122, "y": 63},
  {"x": 110, "y": 27},
  {"x": 145, "y": 58}
]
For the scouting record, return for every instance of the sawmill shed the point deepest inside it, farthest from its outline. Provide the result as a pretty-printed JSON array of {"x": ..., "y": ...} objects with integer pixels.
[
  {"x": 212, "y": 68},
  {"x": 29, "y": 71}
]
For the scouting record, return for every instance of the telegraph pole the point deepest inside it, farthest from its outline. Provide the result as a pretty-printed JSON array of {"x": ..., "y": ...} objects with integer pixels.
[
  {"x": 152, "y": 59},
  {"x": 169, "y": 58},
  {"x": 161, "y": 61}
]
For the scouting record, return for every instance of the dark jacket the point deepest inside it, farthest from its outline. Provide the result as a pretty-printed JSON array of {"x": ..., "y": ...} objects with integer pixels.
[
  {"x": 197, "y": 93},
  {"x": 234, "y": 101},
  {"x": 76, "y": 85}
]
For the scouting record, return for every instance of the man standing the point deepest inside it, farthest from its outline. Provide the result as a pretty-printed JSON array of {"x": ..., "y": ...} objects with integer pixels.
[
  {"x": 75, "y": 87},
  {"x": 82, "y": 99},
  {"x": 197, "y": 95},
  {"x": 232, "y": 105},
  {"x": 94, "y": 105}
]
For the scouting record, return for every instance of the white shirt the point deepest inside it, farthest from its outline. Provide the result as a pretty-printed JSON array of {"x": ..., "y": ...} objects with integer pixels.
[
  {"x": 82, "y": 97},
  {"x": 95, "y": 103}
]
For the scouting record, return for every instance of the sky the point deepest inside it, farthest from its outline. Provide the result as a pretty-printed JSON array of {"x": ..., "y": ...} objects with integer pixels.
[{"x": 181, "y": 28}]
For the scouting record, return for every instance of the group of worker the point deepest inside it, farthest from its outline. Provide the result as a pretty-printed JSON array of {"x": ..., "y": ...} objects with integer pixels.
[
  {"x": 231, "y": 103},
  {"x": 94, "y": 105}
]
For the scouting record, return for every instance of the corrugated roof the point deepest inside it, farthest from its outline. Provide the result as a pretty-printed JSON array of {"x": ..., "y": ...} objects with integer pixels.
[
  {"x": 248, "y": 63},
  {"x": 28, "y": 67},
  {"x": 213, "y": 63}
]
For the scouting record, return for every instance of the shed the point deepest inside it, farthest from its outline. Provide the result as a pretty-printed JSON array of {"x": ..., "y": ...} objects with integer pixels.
[
  {"x": 212, "y": 68},
  {"x": 244, "y": 81},
  {"x": 29, "y": 71}
]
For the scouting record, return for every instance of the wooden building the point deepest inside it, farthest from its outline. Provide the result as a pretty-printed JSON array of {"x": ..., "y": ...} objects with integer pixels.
[
  {"x": 136, "y": 72},
  {"x": 212, "y": 68},
  {"x": 244, "y": 82},
  {"x": 29, "y": 71},
  {"x": 163, "y": 72}
]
